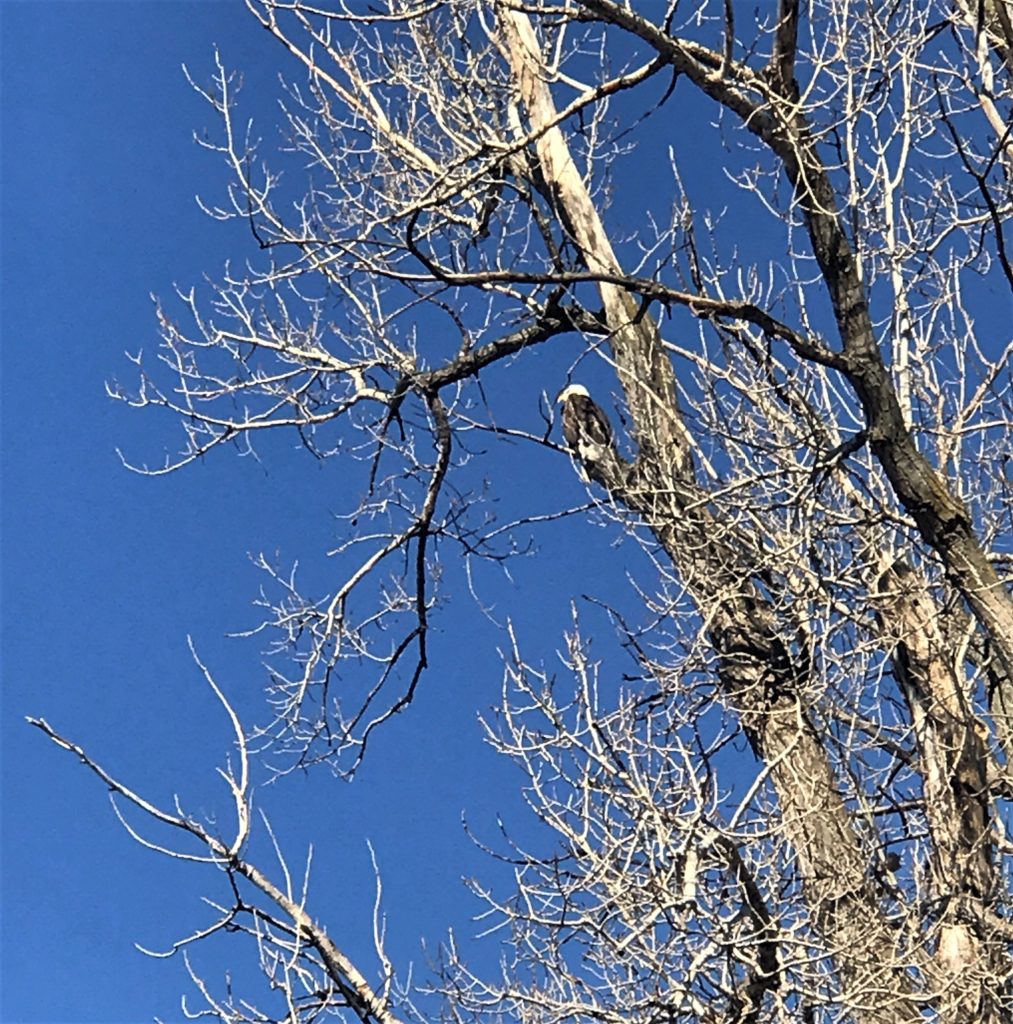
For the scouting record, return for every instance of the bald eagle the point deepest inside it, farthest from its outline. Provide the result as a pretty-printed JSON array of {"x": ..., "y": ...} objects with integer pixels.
[{"x": 586, "y": 428}]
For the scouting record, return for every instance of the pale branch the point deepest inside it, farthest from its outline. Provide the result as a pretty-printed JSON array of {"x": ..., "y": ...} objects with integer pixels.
[{"x": 358, "y": 994}]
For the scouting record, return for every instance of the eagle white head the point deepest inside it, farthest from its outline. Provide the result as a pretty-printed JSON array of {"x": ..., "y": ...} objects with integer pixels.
[{"x": 572, "y": 391}]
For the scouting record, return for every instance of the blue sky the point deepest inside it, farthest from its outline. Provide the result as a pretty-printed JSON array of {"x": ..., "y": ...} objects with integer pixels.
[
  {"x": 99, "y": 175},
  {"x": 105, "y": 573}
]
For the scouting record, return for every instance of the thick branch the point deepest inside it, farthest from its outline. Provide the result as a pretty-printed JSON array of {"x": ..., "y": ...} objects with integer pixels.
[
  {"x": 756, "y": 670},
  {"x": 942, "y": 518}
]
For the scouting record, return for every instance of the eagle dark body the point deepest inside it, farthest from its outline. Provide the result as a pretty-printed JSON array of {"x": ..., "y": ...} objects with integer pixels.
[{"x": 586, "y": 428}]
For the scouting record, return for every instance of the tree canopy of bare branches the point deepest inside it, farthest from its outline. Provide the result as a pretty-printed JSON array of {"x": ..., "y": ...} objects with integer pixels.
[{"x": 775, "y": 242}]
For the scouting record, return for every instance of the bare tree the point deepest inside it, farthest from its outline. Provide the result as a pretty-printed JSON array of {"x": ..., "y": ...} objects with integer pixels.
[{"x": 811, "y": 353}]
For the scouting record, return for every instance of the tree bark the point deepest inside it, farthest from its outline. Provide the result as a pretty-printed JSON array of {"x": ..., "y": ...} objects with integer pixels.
[{"x": 757, "y": 673}]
